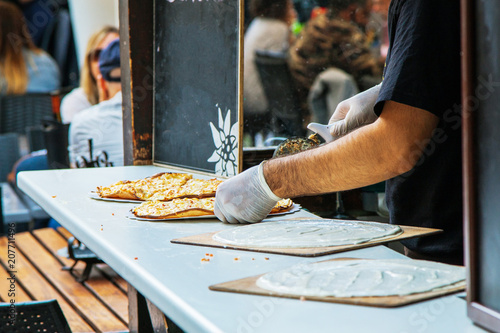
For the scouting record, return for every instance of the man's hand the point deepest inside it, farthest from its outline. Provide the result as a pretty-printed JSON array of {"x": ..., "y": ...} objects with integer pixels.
[
  {"x": 245, "y": 198},
  {"x": 354, "y": 112}
]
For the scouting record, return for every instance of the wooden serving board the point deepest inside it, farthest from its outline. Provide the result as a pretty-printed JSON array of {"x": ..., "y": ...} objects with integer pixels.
[
  {"x": 249, "y": 286},
  {"x": 206, "y": 240}
]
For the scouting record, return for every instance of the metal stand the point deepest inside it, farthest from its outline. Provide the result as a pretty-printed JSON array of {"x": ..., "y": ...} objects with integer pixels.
[
  {"x": 79, "y": 252},
  {"x": 101, "y": 159},
  {"x": 339, "y": 208}
]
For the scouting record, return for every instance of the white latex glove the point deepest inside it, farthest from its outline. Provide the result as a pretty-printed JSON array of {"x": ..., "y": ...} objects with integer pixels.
[
  {"x": 354, "y": 112},
  {"x": 322, "y": 130},
  {"x": 245, "y": 198}
]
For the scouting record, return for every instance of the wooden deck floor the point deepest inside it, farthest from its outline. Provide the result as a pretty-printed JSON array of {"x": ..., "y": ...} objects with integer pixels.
[{"x": 99, "y": 304}]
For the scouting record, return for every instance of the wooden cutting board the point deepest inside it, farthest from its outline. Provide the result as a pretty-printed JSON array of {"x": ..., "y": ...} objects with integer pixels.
[
  {"x": 206, "y": 240},
  {"x": 249, "y": 286}
]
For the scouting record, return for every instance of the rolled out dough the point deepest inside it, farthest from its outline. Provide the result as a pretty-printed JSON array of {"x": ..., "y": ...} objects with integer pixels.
[
  {"x": 306, "y": 233},
  {"x": 357, "y": 278}
]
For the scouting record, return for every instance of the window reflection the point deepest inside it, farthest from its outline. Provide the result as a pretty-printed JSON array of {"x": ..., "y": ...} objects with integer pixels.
[{"x": 302, "y": 57}]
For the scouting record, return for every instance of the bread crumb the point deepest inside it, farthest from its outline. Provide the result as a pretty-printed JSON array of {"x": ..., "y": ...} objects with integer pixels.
[
  {"x": 54, "y": 196},
  {"x": 266, "y": 258}
]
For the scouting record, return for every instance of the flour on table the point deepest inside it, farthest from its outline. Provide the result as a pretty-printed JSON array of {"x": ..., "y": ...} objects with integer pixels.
[
  {"x": 356, "y": 278},
  {"x": 306, "y": 233}
]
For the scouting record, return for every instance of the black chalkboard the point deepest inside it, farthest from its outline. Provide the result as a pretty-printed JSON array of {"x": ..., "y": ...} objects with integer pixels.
[{"x": 196, "y": 84}]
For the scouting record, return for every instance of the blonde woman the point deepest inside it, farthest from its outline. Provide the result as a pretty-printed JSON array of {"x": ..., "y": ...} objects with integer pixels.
[
  {"x": 87, "y": 94},
  {"x": 24, "y": 68}
]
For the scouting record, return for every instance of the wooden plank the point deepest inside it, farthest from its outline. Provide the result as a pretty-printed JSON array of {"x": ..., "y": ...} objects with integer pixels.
[
  {"x": 249, "y": 286},
  {"x": 40, "y": 289},
  {"x": 108, "y": 293},
  {"x": 158, "y": 320},
  {"x": 64, "y": 232},
  {"x": 91, "y": 309},
  {"x": 145, "y": 316},
  {"x": 134, "y": 310},
  {"x": 206, "y": 240},
  {"x": 111, "y": 296},
  {"x": 115, "y": 278},
  {"x": 53, "y": 242},
  {"x": 18, "y": 294},
  {"x": 140, "y": 320}
]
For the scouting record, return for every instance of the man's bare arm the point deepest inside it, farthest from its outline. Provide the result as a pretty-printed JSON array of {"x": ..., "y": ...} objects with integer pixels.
[{"x": 384, "y": 149}]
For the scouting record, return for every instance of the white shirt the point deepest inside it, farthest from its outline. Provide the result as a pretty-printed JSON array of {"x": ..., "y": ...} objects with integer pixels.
[
  {"x": 103, "y": 123},
  {"x": 73, "y": 103}
]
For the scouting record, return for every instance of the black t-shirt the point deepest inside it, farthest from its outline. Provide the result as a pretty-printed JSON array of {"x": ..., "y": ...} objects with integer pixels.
[{"x": 423, "y": 70}]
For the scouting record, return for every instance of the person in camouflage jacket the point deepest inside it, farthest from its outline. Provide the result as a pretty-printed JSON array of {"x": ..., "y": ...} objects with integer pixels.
[{"x": 334, "y": 38}]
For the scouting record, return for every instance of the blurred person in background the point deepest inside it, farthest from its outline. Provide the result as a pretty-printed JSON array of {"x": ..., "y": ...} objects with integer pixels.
[
  {"x": 38, "y": 15},
  {"x": 269, "y": 31},
  {"x": 335, "y": 38},
  {"x": 86, "y": 94},
  {"x": 24, "y": 68},
  {"x": 103, "y": 122}
]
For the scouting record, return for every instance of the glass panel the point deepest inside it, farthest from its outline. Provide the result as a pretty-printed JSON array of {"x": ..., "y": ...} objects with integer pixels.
[
  {"x": 302, "y": 57},
  {"x": 487, "y": 159}
]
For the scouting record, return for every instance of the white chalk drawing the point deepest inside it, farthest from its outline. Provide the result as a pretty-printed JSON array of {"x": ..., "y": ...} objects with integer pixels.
[{"x": 225, "y": 155}]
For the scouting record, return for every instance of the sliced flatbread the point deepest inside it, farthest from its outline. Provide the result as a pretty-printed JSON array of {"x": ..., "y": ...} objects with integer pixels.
[
  {"x": 189, "y": 207},
  {"x": 163, "y": 186},
  {"x": 194, "y": 188},
  {"x": 186, "y": 207}
]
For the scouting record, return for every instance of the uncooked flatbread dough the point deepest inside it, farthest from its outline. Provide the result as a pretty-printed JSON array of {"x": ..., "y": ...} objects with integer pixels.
[
  {"x": 351, "y": 278},
  {"x": 306, "y": 233}
]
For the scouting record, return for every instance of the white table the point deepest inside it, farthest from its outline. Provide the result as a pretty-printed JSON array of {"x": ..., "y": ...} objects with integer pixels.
[{"x": 175, "y": 279}]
